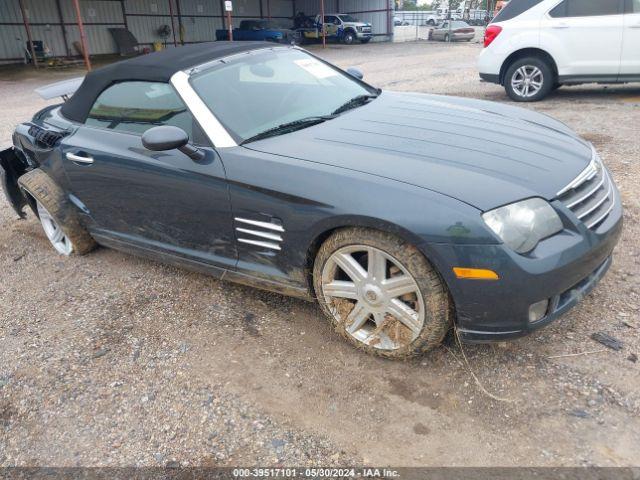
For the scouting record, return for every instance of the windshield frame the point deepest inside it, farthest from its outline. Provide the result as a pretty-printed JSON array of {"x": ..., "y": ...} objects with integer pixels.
[{"x": 219, "y": 135}]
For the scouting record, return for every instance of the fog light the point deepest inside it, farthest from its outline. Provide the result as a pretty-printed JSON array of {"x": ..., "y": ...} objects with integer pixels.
[{"x": 538, "y": 310}]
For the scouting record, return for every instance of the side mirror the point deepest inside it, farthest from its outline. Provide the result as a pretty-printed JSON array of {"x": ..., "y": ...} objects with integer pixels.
[
  {"x": 167, "y": 137},
  {"x": 354, "y": 72}
]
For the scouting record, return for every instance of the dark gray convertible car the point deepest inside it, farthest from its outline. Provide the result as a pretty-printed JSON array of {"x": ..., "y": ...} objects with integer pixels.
[{"x": 401, "y": 214}]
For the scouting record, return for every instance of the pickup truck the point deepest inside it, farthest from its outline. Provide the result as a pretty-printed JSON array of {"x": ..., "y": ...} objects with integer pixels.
[
  {"x": 256, "y": 30},
  {"x": 339, "y": 27}
]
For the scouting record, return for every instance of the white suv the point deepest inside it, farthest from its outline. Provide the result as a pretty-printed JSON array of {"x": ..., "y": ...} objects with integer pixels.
[{"x": 534, "y": 46}]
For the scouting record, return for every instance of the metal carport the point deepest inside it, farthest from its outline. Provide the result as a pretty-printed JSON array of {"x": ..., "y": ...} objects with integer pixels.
[{"x": 60, "y": 23}]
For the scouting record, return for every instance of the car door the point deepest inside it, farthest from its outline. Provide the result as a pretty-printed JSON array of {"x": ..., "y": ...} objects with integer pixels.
[
  {"x": 630, "y": 64},
  {"x": 331, "y": 25},
  {"x": 585, "y": 37},
  {"x": 156, "y": 200}
]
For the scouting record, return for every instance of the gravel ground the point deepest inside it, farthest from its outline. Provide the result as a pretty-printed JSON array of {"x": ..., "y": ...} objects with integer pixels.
[{"x": 113, "y": 360}]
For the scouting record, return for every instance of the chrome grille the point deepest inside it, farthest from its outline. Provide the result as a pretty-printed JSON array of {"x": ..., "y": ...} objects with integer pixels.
[{"x": 590, "y": 195}]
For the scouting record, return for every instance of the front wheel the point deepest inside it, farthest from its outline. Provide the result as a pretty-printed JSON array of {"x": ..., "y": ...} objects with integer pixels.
[
  {"x": 348, "y": 38},
  {"x": 529, "y": 80},
  {"x": 58, "y": 217},
  {"x": 381, "y": 293}
]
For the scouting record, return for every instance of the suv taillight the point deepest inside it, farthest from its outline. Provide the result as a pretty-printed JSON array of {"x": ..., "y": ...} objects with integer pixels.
[{"x": 490, "y": 34}]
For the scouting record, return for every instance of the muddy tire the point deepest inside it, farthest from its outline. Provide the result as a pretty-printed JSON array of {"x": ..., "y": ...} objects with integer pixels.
[
  {"x": 402, "y": 311},
  {"x": 48, "y": 195}
]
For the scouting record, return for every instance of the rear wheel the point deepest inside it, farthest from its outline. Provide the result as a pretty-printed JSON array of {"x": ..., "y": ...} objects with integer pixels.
[
  {"x": 380, "y": 293},
  {"x": 529, "y": 80},
  {"x": 58, "y": 217}
]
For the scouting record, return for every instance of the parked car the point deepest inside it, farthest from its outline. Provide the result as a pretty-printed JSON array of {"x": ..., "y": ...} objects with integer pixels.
[
  {"x": 535, "y": 46},
  {"x": 433, "y": 18},
  {"x": 339, "y": 27},
  {"x": 265, "y": 165},
  {"x": 458, "y": 30},
  {"x": 476, "y": 17},
  {"x": 399, "y": 22},
  {"x": 261, "y": 29}
]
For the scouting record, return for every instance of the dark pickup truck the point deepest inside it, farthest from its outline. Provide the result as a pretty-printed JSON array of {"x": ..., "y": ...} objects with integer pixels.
[{"x": 256, "y": 30}]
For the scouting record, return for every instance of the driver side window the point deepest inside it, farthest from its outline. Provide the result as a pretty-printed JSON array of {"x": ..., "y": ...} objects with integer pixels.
[{"x": 135, "y": 107}]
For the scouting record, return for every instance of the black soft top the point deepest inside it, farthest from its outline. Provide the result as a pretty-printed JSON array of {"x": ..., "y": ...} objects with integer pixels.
[{"x": 154, "y": 67}]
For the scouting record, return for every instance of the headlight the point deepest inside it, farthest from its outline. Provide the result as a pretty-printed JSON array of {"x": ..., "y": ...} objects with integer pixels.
[{"x": 522, "y": 225}]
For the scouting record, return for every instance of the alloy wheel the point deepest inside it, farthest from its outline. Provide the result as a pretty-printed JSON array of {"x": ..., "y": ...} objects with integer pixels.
[
  {"x": 54, "y": 233},
  {"x": 373, "y": 296},
  {"x": 527, "y": 81}
]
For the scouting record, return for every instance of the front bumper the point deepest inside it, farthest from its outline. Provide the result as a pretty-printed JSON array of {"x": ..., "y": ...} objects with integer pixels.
[
  {"x": 562, "y": 269},
  {"x": 361, "y": 35}
]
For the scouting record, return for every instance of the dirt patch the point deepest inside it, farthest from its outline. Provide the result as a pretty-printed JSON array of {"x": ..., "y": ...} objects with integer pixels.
[
  {"x": 598, "y": 139},
  {"x": 7, "y": 412},
  {"x": 421, "y": 429}
]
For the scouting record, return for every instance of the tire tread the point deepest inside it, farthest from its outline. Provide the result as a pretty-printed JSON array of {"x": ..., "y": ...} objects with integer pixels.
[
  {"x": 45, "y": 191},
  {"x": 438, "y": 315}
]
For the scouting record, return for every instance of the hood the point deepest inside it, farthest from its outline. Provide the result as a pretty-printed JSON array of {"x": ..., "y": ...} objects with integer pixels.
[{"x": 483, "y": 153}]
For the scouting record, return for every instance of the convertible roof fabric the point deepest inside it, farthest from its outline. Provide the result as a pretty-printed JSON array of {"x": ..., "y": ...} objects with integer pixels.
[{"x": 153, "y": 67}]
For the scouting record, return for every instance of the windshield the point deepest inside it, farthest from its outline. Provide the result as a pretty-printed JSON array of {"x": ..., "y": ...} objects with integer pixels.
[
  {"x": 348, "y": 18},
  {"x": 255, "y": 92}
]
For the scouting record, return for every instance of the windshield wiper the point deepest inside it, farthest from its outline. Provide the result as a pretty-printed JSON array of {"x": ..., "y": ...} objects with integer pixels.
[
  {"x": 289, "y": 127},
  {"x": 354, "y": 102}
]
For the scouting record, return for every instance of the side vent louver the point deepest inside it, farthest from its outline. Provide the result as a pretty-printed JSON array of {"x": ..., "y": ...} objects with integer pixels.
[
  {"x": 267, "y": 235},
  {"x": 44, "y": 137}
]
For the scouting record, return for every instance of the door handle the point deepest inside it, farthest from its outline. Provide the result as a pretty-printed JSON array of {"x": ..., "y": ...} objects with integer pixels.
[
  {"x": 78, "y": 159},
  {"x": 561, "y": 25},
  {"x": 637, "y": 25}
]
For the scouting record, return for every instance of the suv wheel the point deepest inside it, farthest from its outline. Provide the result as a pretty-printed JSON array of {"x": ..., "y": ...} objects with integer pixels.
[
  {"x": 529, "y": 80},
  {"x": 381, "y": 293}
]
